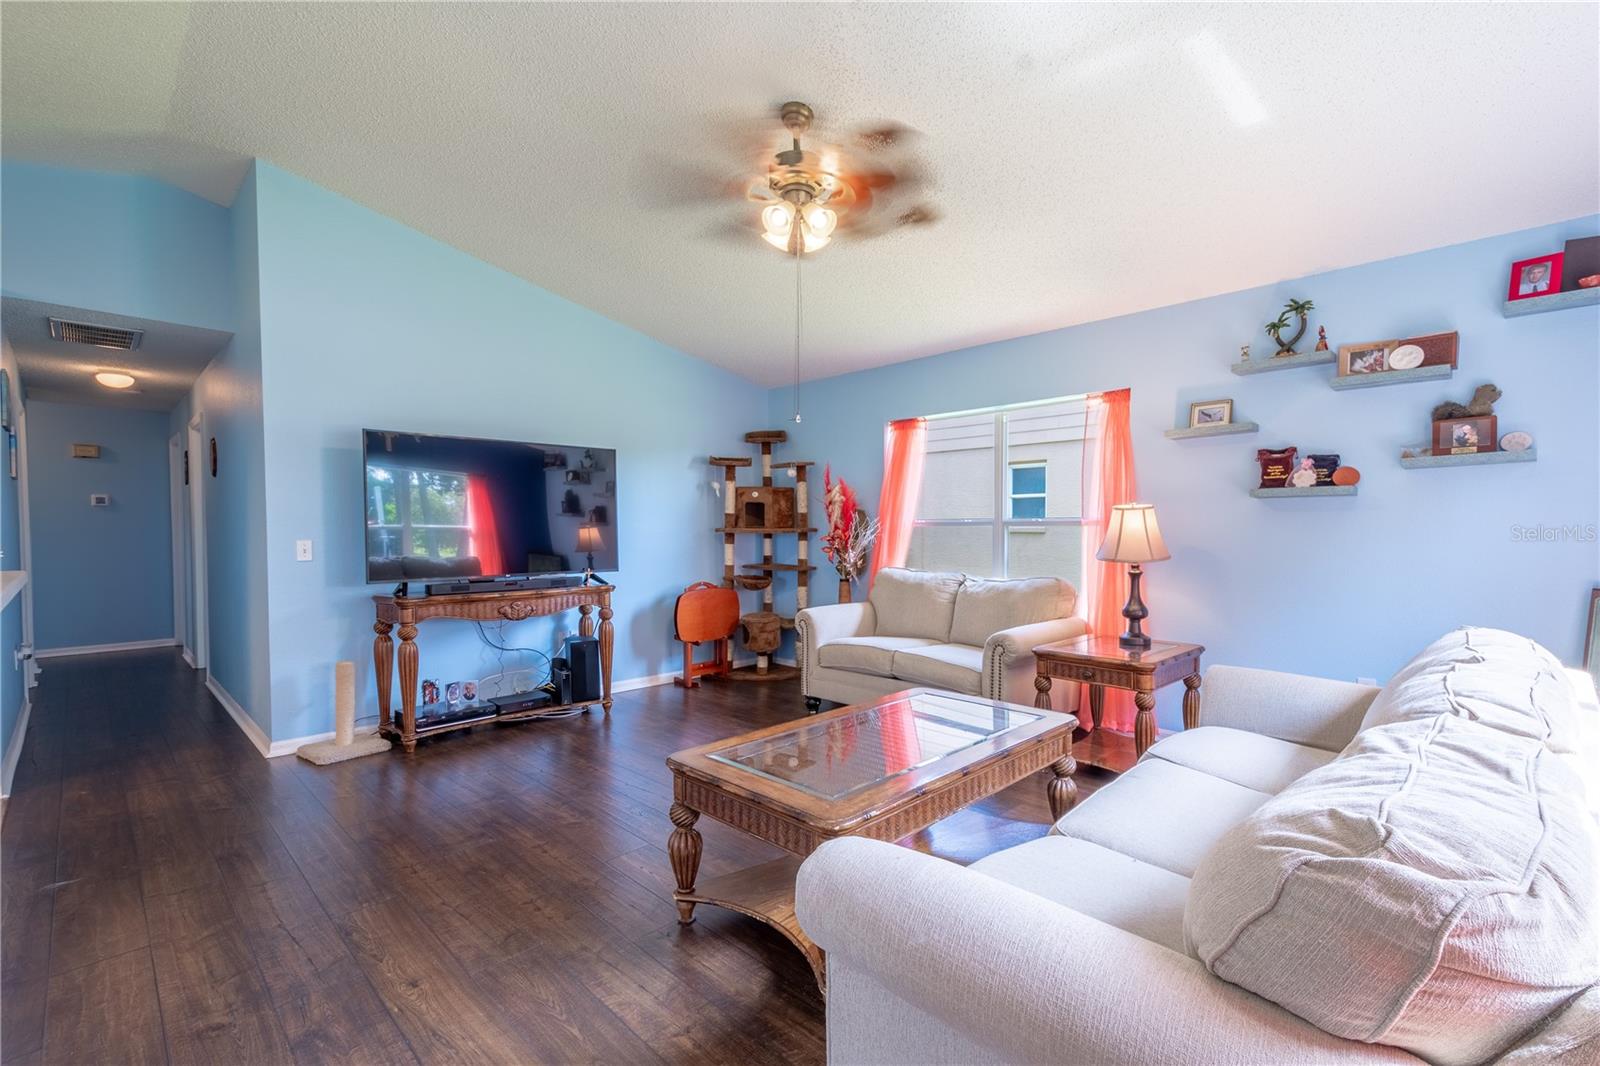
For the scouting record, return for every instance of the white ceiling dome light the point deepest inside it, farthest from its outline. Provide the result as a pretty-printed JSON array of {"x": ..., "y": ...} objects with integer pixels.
[{"x": 115, "y": 379}]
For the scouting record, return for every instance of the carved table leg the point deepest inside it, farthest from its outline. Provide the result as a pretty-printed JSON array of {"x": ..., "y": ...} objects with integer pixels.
[
  {"x": 1062, "y": 791},
  {"x": 1144, "y": 723},
  {"x": 585, "y": 620},
  {"x": 607, "y": 639},
  {"x": 683, "y": 848},
  {"x": 408, "y": 687},
  {"x": 1041, "y": 688},
  {"x": 383, "y": 666},
  {"x": 1191, "y": 701},
  {"x": 1097, "y": 704}
]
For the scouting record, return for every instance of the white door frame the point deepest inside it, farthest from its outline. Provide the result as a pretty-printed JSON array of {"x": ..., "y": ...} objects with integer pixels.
[
  {"x": 180, "y": 557},
  {"x": 197, "y": 544}
]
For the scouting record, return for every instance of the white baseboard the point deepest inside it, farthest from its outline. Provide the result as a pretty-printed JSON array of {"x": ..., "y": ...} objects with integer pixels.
[
  {"x": 19, "y": 733},
  {"x": 633, "y": 684},
  {"x": 188, "y": 657},
  {"x": 101, "y": 649},
  {"x": 240, "y": 718}
]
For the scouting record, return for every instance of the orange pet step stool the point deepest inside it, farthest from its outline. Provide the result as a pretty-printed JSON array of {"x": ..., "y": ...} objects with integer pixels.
[{"x": 705, "y": 612}]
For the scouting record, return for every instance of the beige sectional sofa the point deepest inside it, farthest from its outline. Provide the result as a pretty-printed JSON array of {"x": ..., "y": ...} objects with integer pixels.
[
  {"x": 1321, "y": 872},
  {"x": 949, "y": 631}
]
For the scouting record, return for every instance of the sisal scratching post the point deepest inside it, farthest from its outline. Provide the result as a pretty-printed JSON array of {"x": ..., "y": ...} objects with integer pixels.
[{"x": 345, "y": 744}]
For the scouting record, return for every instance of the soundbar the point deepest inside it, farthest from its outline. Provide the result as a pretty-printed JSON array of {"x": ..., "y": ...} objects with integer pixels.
[{"x": 503, "y": 584}]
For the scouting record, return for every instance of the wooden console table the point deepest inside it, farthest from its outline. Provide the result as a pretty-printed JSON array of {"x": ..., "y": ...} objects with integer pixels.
[
  {"x": 1101, "y": 661},
  {"x": 407, "y": 611}
]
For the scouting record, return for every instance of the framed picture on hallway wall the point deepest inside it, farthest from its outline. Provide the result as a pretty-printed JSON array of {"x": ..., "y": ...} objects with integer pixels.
[{"x": 11, "y": 453}]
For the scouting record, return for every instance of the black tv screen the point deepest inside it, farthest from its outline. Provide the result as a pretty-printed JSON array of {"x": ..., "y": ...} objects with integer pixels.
[{"x": 441, "y": 508}]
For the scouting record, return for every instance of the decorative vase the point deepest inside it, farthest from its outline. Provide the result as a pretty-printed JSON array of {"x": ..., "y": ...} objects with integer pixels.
[{"x": 844, "y": 590}]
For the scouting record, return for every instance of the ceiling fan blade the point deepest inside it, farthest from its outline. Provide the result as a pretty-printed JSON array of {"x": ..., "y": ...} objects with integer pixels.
[{"x": 885, "y": 136}]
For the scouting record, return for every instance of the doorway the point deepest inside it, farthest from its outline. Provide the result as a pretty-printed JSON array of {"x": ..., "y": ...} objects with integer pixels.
[
  {"x": 178, "y": 493},
  {"x": 198, "y": 614}
]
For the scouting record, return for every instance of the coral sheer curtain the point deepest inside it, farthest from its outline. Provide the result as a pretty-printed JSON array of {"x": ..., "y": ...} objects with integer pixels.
[
  {"x": 1108, "y": 479},
  {"x": 484, "y": 539},
  {"x": 903, "y": 447}
]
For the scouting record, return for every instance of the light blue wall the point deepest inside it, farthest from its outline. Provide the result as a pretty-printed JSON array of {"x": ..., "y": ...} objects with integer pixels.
[
  {"x": 365, "y": 322},
  {"x": 101, "y": 575},
  {"x": 228, "y": 399},
  {"x": 115, "y": 243},
  {"x": 1340, "y": 587}
]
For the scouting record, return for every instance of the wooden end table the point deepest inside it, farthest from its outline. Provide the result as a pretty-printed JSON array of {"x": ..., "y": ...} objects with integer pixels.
[
  {"x": 883, "y": 770},
  {"x": 1101, "y": 661}
]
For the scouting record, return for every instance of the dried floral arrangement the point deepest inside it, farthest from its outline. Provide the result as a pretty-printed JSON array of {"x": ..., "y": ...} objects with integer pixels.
[{"x": 851, "y": 531}]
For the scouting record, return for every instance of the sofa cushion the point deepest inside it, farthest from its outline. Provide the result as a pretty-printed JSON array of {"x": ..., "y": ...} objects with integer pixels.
[
  {"x": 867, "y": 655},
  {"x": 1162, "y": 813},
  {"x": 1265, "y": 764},
  {"x": 956, "y": 667},
  {"x": 984, "y": 606},
  {"x": 914, "y": 603},
  {"x": 1490, "y": 676},
  {"x": 1135, "y": 896},
  {"x": 1433, "y": 888}
]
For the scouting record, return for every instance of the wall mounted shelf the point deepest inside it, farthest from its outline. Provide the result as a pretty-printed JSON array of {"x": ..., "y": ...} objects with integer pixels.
[
  {"x": 1288, "y": 362},
  {"x": 1323, "y": 490},
  {"x": 1393, "y": 377},
  {"x": 1422, "y": 461},
  {"x": 1556, "y": 301},
  {"x": 1227, "y": 429}
]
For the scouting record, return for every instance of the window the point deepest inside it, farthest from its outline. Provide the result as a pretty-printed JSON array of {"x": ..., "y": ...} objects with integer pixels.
[
  {"x": 1027, "y": 490},
  {"x": 417, "y": 512},
  {"x": 1001, "y": 492}
]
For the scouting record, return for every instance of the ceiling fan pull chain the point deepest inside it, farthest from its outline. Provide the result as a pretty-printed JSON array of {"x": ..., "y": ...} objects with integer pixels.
[{"x": 797, "y": 309}]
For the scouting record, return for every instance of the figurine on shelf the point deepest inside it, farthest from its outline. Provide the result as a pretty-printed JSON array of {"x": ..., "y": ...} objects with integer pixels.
[
  {"x": 1482, "y": 403},
  {"x": 1322, "y": 339},
  {"x": 1306, "y": 476},
  {"x": 1295, "y": 309},
  {"x": 1244, "y": 353}
]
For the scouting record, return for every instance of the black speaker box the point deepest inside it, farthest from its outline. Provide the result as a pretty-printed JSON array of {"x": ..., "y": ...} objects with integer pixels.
[
  {"x": 561, "y": 680},
  {"x": 583, "y": 660}
]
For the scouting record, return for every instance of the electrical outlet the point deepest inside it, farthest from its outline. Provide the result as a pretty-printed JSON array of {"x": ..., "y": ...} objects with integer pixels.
[
  {"x": 99, "y": 499},
  {"x": 302, "y": 551}
]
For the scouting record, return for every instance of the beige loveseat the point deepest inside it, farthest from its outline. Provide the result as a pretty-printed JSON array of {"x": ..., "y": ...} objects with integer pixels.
[
  {"x": 950, "y": 631},
  {"x": 1321, "y": 872}
]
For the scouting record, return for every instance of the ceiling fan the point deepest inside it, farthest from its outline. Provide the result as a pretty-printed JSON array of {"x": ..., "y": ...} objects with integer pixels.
[{"x": 815, "y": 191}]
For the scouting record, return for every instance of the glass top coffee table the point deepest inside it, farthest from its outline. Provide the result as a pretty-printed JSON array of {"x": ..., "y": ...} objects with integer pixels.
[{"x": 884, "y": 770}]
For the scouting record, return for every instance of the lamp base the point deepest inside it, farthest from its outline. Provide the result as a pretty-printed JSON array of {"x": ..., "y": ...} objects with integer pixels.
[{"x": 1135, "y": 612}]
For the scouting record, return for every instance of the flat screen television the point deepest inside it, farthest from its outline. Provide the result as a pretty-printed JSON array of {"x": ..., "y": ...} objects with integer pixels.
[{"x": 452, "y": 508}]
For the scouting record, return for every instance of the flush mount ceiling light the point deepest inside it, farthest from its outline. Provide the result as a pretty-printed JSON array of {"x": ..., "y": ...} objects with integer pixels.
[{"x": 114, "y": 379}]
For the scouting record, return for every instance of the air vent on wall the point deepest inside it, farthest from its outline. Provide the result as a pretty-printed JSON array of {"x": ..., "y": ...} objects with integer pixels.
[{"x": 123, "y": 340}]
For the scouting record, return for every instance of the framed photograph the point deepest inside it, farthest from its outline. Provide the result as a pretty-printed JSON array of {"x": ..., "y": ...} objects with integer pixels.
[
  {"x": 11, "y": 453},
  {"x": 1463, "y": 436},
  {"x": 1210, "y": 413},
  {"x": 430, "y": 691},
  {"x": 1438, "y": 349},
  {"x": 1370, "y": 357},
  {"x": 452, "y": 693},
  {"x": 469, "y": 691},
  {"x": 1535, "y": 277},
  {"x": 1581, "y": 260}
]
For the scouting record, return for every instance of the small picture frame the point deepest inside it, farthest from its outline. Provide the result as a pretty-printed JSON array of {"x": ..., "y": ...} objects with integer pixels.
[
  {"x": 469, "y": 691},
  {"x": 11, "y": 453},
  {"x": 1210, "y": 413},
  {"x": 1368, "y": 357},
  {"x": 430, "y": 691},
  {"x": 452, "y": 693},
  {"x": 1539, "y": 276},
  {"x": 1465, "y": 436}
]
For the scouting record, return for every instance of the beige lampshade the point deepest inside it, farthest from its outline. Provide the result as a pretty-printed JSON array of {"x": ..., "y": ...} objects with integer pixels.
[
  {"x": 589, "y": 539},
  {"x": 1132, "y": 536}
]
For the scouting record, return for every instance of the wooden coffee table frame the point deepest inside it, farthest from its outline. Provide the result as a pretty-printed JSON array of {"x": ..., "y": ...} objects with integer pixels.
[{"x": 799, "y": 822}]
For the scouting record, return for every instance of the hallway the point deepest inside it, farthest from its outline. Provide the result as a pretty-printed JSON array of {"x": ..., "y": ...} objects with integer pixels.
[{"x": 169, "y": 895}]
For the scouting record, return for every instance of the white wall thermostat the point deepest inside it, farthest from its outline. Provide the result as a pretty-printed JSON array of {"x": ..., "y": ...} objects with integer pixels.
[{"x": 99, "y": 499}]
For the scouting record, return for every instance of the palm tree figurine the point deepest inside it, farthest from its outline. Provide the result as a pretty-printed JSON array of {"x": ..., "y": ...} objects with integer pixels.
[{"x": 1294, "y": 308}]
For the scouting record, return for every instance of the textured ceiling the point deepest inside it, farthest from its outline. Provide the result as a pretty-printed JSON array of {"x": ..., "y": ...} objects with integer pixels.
[
  {"x": 1088, "y": 160},
  {"x": 164, "y": 366}
]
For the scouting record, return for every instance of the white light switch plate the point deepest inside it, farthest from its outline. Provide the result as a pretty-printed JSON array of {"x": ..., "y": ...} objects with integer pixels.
[{"x": 302, "y": 551}]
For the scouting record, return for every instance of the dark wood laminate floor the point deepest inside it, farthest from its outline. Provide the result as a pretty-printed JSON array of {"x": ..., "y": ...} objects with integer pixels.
[{"x": 170, "y": 896}]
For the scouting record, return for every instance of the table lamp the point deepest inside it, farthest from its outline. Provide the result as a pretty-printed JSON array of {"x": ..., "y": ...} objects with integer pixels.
[
  {"x": 1133, "y": 537},
  {"x": 589, "y": 542}
]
